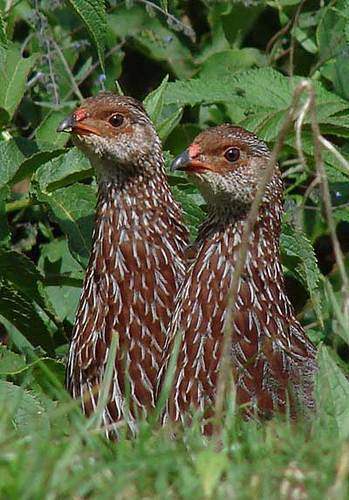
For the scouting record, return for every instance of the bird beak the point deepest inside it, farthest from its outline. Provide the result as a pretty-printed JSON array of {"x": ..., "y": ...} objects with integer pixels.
[
  {"x": 67, "y": 124},
  {"x": 186, "y": 162},
  {"x": 181, "y": 161},
  {"x": 78, "y": 123}
]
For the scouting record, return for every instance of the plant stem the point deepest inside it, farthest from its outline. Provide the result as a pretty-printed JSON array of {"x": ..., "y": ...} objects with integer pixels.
[{"x": 14, "y": 206}]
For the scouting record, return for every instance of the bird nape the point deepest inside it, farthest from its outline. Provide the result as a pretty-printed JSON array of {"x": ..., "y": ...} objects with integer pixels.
[
  {"x": 136, "y": 262},
  {"x": 271, "y": 359}
]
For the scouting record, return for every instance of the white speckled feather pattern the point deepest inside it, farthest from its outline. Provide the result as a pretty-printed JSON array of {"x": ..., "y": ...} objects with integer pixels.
[
  {"x": 135, "y": 269},
  {"x": 272, "y": 361}
]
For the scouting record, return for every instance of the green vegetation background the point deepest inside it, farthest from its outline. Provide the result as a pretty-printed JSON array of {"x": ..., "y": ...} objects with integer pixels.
[{"x": 195, "y": 64}]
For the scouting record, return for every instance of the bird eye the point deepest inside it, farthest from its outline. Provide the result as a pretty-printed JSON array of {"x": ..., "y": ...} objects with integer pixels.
[
  {"x": 232, "y": 154},
  {"x": 116, "y": 120}
]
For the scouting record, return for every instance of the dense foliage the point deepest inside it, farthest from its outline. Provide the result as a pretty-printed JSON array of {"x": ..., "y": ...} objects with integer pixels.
[{"x": 195, "y": 64}]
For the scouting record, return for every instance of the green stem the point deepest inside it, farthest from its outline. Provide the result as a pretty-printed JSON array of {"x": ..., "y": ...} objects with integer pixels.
[{"x": 13, "y": 206}]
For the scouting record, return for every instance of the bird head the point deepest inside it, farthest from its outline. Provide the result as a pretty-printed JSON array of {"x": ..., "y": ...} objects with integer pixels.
[
  {"x": 227, "y": 163},
  {"x": 115, "y": 133}
]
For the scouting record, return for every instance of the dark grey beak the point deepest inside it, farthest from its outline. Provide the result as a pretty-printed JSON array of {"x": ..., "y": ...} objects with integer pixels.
[
  {"x": 181, "y": 162},
  {"x": 67, "y": 124}
]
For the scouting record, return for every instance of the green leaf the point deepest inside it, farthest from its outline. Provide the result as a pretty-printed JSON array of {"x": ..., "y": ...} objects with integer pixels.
[
  {"x": 263, "y": 94},
  {"x": 333, "y": 394},
  {"x": 227, "y": 62},
  {"x": 73, "y": 209},
  {"x": 63, "y": 278},
  {"x": 93, "y": 15},
  {"x": 154, "y": 102},
  {"x": 10, "y": 362},
  {"x": 165, "y": 118},
  {"x": 22, "y": 313},
  {"x": 340, "y": 321},
  {"x": 46, "y": 133},
  {"x": 4, "y": 227},
  {"x": 3, "y": 36},
  {"x": 193, "y": 214},
  {"x": 330, "y": 34},
  {"x": 169, "y": 123},
  {"x": 19, "y": 158},
  {"x": 152, "y": 38},
  {"x": 14, "y": 70},
  {"x": 22, "y": 274},
  {"x": 295, "y": 244},
  {"x": 69, "y": 167},
  {"x": 26, "y": 411},
  {"x": 341, "y": 214}
]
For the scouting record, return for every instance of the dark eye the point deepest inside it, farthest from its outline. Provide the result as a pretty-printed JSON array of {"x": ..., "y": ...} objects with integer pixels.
[
  {"x": 232, "y": 154},
  {"x": 116, "y": 120}
]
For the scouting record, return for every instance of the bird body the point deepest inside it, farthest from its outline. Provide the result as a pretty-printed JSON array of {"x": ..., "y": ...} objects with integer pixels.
[
  {"x": 271, "y": 359},
  {"x": 136, "y": 261}
]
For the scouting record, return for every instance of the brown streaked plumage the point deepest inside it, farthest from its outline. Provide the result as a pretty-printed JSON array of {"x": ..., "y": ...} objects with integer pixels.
[
  {"x": 136, "y": 261},
  {"x": 272, "y": 360}
]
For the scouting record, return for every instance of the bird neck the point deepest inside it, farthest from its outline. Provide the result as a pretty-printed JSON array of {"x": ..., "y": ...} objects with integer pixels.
[
  {"x": 136, "y": 203},
  {"x": 227, "y": 229}
]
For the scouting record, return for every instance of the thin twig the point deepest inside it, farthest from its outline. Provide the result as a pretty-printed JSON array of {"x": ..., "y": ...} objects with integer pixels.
[
  {"x": 46, "y": 42},
  {"x": 68, "y": 71},
  {"x": 292, "y": 170},
  {"x": 95, "y": 66},
  {"x": 14, "y": 206},
  {"x": 320, "y": 167},
  {"x": 298, "y": 128},
  {"x": 292, "y": 44},
  {"x": 330, "y": 147},
  {"x": 172, "y": 20}
]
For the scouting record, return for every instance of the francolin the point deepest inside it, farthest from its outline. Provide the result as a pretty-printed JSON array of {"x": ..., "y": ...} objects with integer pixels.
[
  {"x": 272, "y": 360},
  {"x": 136, "y": 261}
]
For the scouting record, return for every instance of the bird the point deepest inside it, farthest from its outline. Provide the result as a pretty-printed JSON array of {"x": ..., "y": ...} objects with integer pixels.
[
  {"x": 271, "y": 360},
  {"x": 136, "y": 262}
]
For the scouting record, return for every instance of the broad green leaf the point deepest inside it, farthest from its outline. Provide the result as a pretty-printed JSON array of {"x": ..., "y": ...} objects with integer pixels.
[
  {"x": 165, "y": 118},
  {"x": 154, "y": 102},
  {"x": 193, "y": 214},
  {"x": 330, "y": 34},
  {"x": 333, "y": 393},
  {"x": 63, "y": 275},
  {"x": 73, "y": 209},
  {"x": 69, "y": 167},
  {"x": 12, "y": 154},
  {"x": 169, "y": 123},
  {"x": 10, "y": 362},
  {"x": 22, "y": 313},
  {"x": 341, "y": 214},
  {"x": 93, "y": 15},
  {"x": 47, "y": 133},
  {"x": 227, "y": 62},
  {"x": 22, "y": 274},
  {"x": 295, "y": 244},
  {"x": 14, "y": 70},
  {"x": 19, "y": 158},
  {"x": 340, "y": 321},
  {"x": 263, "y": 94},
  {"x": 304, "y": 29},
  {"x": 27, "y": 412},
  {"x": 152, "y": 37}
]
